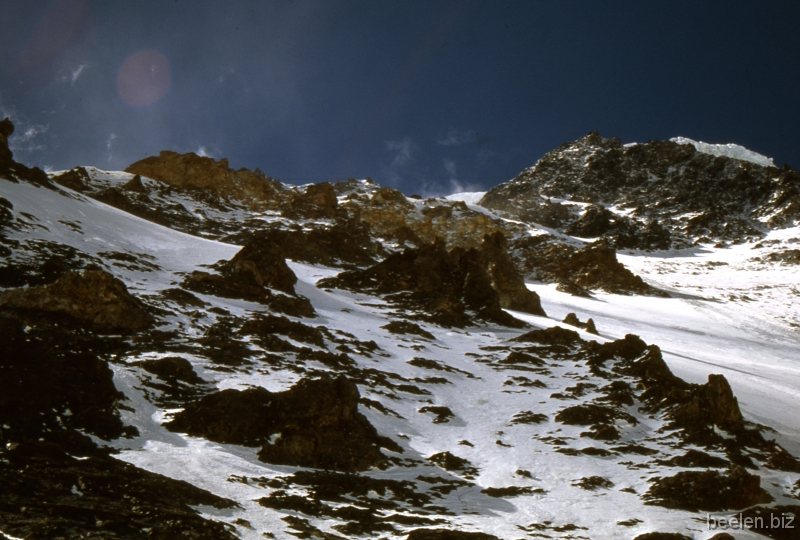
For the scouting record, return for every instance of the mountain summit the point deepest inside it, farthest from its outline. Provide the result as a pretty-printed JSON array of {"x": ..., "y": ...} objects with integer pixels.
[
  {"x": 603, "y": 347},
  {"x": 655, "y": 195}
]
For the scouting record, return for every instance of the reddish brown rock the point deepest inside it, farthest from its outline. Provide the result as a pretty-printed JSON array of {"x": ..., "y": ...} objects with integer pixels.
[
  {"x": 92, "y": 296},
  {"x": 191, "y": 171},
  {"x": 506, "y": 279},
  {"x": 316, "y": 201}
]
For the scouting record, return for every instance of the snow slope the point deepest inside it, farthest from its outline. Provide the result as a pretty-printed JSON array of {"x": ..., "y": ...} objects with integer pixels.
[{"x": 701, "y": 330}]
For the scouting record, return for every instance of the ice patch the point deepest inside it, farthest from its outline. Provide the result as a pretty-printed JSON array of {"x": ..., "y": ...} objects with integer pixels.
[{"x": 727, "y": 150}]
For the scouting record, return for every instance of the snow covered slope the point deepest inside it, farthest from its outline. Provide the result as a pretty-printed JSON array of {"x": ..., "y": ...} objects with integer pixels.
[{"x": 536, "y": 431}]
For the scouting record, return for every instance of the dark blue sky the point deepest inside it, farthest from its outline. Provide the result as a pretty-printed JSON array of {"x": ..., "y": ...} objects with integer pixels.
[{"x": 426, "y": 96}]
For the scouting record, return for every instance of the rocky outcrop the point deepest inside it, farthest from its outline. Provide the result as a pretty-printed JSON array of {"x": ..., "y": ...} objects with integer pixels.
[
  {"x": 711, "y": 404},
  {"x": 253, "y": 274},
  {"x": 191, "y": 171},
  {"x": 6, "y": 130},
  {"x": 671, "y": 193},
  {"x": 505, "y": 278},
  {"x": 265, "y": 264},
  {"x": 135, "y": 185},
  {"x": 315, "y": 423},
  {"x": 76, "y": 179},
  {"x": 392, "y": 216},
  {"x": 708, "y": 491},
  {"x": 450, "y": 287},
  {"x": 12, "y": 170},
  {"x": 346, "y": 243},
  {"x": 621, "y": 232},
  {"x": 316, "y": 201},
  {"x": 92, "y": 296},
  {"x": 572, "y": 320},
  {"x": 594, "y": 266}
]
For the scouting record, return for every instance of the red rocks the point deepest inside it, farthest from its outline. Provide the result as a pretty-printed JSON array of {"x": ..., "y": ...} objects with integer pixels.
[{"x": 191, "y": 171}]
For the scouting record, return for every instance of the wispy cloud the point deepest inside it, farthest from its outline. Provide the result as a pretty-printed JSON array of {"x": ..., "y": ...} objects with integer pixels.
[
  {"x": 77, "y": 72},
  {"x": 109, "y": 144},
  {"x": 26, "y": 138},
  {"x": 405, "y": 149},
  {"x": 456, "y": 138},
  {"x": 456, "y": 185}
]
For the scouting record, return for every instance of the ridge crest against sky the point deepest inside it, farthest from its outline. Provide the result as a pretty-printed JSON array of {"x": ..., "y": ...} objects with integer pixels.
[{"x": 428, "y": 97}]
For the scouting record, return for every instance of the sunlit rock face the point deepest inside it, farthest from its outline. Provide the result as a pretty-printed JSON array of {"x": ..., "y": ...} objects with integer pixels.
[
  {"x": 204, "y": 173},
  {"x": 663, "y": 193},
  {"x": 413, "y": 222}
]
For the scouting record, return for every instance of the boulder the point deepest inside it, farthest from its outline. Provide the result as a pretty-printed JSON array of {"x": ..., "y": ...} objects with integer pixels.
[
  {"x": 505, "y": 277},
  {"x": 708, "y": 491},
  {"x": 92, "y": 296},
  {"x": 315, "y": 423},
  {"x": 265, "y": 264}
]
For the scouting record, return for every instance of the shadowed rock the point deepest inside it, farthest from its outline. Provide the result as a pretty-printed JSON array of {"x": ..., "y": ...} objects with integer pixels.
[
  {"x": 75, "y": 179},
  {"x": 251, "y": 275},
  {"x": 572, "y": 320},
  {"x": 346, "y": 244},
  {"x": 594, "y": 266},
  {"x": 315, "y": 423},
  {"x": 91, "y": 296},
  {"x": 446, "y": 285},
  {"x": 708, "y": 491},
  {"x": 711, "y": 404},
  {"x": 135, "y": 184},
  {"x": 506, "y": 279},
  {"x": 555, "y": 335},
  {"x": 265, "y": 263},
  {"x": 6, "y": 130}
]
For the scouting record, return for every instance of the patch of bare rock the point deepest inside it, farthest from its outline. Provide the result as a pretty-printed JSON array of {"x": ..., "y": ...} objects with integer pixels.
[
  {"x": 577, "y": 270},
  {"x": 92, "y": 296},
  {"x": 258, "y": 273},
  {"x": 451, "y": 287},
  {"x": 315, "y": 423},
  {"x": 52, "y": 397},
  {"x": 206, "y": 174}
]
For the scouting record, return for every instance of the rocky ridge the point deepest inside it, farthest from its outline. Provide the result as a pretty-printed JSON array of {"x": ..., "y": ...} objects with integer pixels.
[{"x": 655, "y": 195}]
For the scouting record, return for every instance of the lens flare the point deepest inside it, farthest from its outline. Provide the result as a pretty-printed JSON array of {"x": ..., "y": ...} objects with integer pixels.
[{"x": 144, "y": 78}]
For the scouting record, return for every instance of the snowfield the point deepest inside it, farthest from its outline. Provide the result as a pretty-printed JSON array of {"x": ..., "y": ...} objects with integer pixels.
[{"x": 729, "y": 314}]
